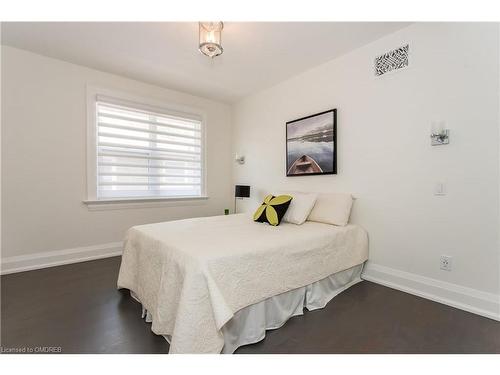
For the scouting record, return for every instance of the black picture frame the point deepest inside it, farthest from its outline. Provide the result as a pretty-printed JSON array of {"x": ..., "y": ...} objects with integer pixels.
[{"x": 307, "y": 165}]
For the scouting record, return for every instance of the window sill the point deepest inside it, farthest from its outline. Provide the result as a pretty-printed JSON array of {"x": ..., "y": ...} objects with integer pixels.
[{"x": 120, "y": 204}]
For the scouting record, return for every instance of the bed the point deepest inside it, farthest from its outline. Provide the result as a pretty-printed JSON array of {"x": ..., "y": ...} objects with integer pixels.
[{"x": 210, "y": 285}]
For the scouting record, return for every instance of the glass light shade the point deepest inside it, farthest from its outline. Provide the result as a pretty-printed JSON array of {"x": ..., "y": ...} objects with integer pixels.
[{"x": 210, "y": 38}]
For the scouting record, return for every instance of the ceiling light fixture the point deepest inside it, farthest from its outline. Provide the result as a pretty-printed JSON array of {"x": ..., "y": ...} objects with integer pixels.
[{"x": 210, "y": 38}]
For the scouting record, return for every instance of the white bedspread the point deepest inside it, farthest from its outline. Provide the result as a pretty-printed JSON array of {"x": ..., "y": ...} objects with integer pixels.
[{"x": 193, "y": 275}]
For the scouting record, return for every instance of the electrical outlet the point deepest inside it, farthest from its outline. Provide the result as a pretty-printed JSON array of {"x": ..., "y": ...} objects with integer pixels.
[{"x": 445, "y": 263}]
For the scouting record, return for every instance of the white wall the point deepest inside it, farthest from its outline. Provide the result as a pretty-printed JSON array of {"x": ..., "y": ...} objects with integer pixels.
[
  {"x": 1, "y": 51},
  {"x": 384, "y": 154},
  {"x": 44, "y": 157}
]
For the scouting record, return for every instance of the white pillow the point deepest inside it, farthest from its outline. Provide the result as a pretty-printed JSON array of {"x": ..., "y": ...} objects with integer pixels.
[
  {"x": 300, "y": 207},
  {"x": 332, "y": 208}
]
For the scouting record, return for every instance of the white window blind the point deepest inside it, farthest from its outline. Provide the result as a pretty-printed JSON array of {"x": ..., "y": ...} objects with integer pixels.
[{"x": 145, "y": 154}]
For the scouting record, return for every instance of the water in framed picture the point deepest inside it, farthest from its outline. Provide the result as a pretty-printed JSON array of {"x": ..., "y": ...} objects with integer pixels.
[{"x": 311, "y": 145}]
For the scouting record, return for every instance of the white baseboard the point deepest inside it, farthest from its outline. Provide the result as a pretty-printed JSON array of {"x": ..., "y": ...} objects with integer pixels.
[
  {"x": 468, "y": 299},
  {"x": 59, "y": 257}
]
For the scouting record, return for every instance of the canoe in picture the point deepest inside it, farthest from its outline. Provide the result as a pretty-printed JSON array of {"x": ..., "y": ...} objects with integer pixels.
[{"x": 304, "y": 165}]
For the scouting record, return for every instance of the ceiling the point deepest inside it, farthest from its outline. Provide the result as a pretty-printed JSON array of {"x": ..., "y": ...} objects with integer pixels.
[{"x": 256, "y": 54}]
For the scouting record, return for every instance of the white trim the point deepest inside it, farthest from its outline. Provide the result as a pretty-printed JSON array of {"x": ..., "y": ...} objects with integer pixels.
[
  {"x": 47, "y": 259},
  {"x": 91, "y": 144},
  {"x": 468, "y": 299},
  {"x": 118, "y": 204},
  {"x": 93, "y": 92},
  {"x": 498, "y": 175}
]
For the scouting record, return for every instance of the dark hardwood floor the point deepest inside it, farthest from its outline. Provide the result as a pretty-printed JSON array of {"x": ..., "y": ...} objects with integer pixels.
[{"x": 77, "y": 308}]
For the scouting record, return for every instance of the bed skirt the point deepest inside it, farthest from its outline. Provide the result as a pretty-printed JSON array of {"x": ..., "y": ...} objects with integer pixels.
[{"x": 249, "y": 324}]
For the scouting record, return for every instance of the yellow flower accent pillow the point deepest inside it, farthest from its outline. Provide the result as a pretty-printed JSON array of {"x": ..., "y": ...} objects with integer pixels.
[{"x": 272, "y": 209}]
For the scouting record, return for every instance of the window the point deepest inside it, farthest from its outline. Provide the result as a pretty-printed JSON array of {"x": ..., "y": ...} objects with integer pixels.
[{"x": 141, "y": 152}]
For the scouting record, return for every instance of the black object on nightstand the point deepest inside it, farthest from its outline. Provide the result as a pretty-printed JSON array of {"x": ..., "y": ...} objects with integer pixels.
[{"x": 241, "y": 191}]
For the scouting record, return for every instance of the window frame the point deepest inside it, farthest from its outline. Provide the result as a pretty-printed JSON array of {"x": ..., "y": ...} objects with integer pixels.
[{"x": 147, "y": 104}]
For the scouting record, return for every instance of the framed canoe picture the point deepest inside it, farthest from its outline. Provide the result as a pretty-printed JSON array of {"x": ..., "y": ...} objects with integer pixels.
[{"x": 311, "y": 145}]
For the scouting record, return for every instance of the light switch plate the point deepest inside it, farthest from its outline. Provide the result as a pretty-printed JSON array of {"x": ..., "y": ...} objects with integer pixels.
[{"x": 440, "y": 188}]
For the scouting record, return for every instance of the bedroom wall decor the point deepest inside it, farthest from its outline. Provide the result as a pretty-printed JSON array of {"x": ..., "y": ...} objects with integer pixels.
[
  {"x": 311, "y": 145},
  {"x": 392, "y": 60}
]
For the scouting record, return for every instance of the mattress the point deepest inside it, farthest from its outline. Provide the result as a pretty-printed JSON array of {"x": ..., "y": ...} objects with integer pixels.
[{"x": 194, "y": 275}]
